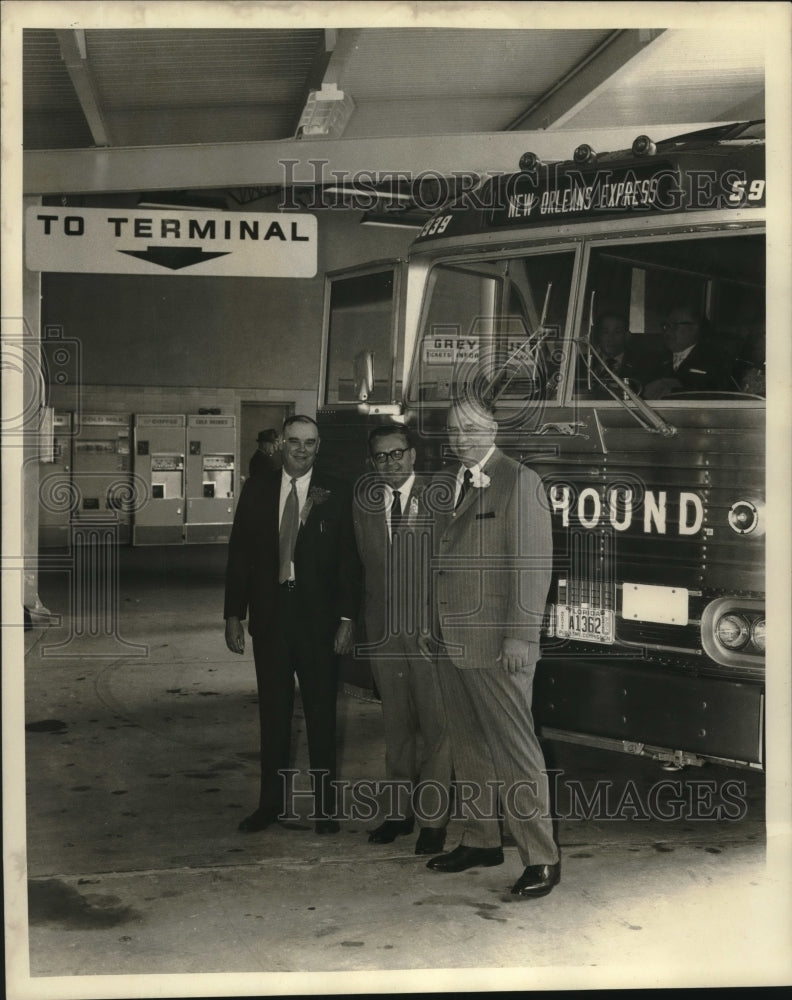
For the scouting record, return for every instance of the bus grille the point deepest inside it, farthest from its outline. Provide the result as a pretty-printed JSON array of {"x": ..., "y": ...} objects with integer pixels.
[{"x": 653, "y": 634}]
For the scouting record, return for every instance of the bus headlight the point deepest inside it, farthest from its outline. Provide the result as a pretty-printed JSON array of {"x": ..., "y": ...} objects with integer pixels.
[
  {"x": 732, "y": 631},
  {"x": 758, "y": 634}
]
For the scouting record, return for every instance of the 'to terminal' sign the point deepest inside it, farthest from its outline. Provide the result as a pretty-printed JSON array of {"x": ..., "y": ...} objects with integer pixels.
[{"x": 121, "y": 241}]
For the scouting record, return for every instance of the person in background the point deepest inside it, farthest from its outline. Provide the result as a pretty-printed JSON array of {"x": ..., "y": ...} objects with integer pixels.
[
  {"x": 490, "y": 582},
  {"x": 293, "y": 570},
  {"x": 692, "y": 363},
  {"x": 388, "y": 504},
  {"x": 266, "y": 457}
]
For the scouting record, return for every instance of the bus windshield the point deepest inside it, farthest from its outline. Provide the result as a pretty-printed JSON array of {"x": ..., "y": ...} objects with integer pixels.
[
  {"x": 500, "y": 323},
  {"x": 674, "y": 318}
]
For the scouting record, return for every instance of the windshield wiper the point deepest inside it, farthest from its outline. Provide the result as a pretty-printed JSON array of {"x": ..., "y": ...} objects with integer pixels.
[
  {"x": 528, "y": 342},
  {"x": 646, "y": 416}
]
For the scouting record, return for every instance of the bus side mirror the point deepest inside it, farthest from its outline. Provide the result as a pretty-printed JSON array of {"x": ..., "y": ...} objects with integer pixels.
[{"x": 364, "y": 375}]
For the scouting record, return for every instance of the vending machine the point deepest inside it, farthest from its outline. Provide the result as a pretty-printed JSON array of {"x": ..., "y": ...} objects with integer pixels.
[
  {"x": 57, "y": 495},
  {"x": 159, "y": 467},
  {"x": 211, "y": 477},
  {"x": 102, "y": 470}
]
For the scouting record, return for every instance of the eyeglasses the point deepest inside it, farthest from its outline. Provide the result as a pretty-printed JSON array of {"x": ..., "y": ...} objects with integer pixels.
[
  {"x": 381, "y": 457},
  {"x": 682, "y": 322}
]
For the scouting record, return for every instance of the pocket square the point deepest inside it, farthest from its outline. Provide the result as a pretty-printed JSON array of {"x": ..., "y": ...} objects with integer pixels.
[{"x": 490, "y": 513}]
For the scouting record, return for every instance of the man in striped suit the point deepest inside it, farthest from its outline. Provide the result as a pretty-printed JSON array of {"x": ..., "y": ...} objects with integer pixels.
[{"x": 490, "y": 580}]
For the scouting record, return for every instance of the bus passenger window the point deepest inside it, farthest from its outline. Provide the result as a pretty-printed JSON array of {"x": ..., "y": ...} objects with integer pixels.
[{"x": 360, "y": 318}]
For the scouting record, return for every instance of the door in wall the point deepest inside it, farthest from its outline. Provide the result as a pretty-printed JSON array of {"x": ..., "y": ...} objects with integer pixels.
[{"x": 257, "y": 417}]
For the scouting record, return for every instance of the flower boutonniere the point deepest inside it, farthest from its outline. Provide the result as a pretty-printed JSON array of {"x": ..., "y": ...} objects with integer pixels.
[
  {"x": 316, "y": 495},
  {"x": 413, "y": 512},
  {"x": 480, "y": 480}
]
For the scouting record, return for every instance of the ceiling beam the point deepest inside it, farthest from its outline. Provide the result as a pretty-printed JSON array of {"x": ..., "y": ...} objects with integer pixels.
[
  {"x": 347, "y": 41},
  {"x": 297, "y": 162},
  {"x": 583, "y": 82},
  {"x": 316, "y": 72},
  {"x": 75, "y": 55}
]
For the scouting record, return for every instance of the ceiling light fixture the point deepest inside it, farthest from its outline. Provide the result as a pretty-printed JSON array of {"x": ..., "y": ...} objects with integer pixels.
[{"x": 326, "y": 113}]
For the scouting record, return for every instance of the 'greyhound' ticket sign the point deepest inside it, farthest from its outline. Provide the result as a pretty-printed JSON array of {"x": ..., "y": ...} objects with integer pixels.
[{"x": 134, "y": 241}]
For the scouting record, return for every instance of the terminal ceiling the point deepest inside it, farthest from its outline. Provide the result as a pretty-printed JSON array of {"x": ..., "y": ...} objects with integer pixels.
[{"x": 178, "y": 110}]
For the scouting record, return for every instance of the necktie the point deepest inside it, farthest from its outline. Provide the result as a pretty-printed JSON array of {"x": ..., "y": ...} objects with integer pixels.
[
  {"x": 467, "y": 479},
  {"x": 290, "y": 523},
  {"x": 395, "y": 513}
]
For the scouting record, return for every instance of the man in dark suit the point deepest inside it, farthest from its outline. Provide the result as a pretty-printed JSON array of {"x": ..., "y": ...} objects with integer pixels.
[
  {"x": 265, "y": 458},
  {"x": 691, "y": 363},
  {"x": 490, "y": 583},
  {"x": 389, "y": 519},
  {"x": 293, "y": 570}
]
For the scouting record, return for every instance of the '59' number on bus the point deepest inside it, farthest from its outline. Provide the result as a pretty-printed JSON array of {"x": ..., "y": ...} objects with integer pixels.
[{"x": 755, "y": 190}]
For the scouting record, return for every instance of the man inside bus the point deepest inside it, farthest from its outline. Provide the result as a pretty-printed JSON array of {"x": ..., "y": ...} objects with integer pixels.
[
  {"x": 388, "y": 510},
  {"x": 692, "y": 363},
  {"x": 493, "y": 548},
  {"x": 611, "y": 336}
]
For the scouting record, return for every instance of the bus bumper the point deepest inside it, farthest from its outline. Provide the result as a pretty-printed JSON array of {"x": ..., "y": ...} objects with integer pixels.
[{"x": 609, "y": 704}]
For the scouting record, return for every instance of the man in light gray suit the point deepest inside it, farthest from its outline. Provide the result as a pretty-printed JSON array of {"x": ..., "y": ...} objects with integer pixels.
[
  {"x": 490, "y": 581},
  {"x": 388, "y": 517}
]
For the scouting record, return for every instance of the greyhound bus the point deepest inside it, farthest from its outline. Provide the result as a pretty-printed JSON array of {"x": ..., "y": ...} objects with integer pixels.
[{"x": 652, "y": 466}]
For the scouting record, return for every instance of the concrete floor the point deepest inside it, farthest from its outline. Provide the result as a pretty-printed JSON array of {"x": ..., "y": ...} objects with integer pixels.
[{"x": 141, "y": 760}]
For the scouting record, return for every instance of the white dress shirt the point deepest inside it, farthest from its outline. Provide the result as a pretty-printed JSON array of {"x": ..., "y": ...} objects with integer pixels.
[
  {"x": 679, "y": 356},
  {"x": 463, "y": 469}
]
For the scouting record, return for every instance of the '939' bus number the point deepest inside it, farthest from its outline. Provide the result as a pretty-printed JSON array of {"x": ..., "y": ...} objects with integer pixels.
[{"x": 435, "y": 226}]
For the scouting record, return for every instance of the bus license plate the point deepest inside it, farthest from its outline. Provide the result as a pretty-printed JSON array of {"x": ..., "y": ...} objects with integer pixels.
[{"x": 584, "y": 624}]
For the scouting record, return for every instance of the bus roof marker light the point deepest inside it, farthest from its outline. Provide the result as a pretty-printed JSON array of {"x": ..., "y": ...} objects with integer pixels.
[
  {"x": 584, "y": 154},
  {"x": 643, "y": 146},
  {"x": 529, "y": 161}
]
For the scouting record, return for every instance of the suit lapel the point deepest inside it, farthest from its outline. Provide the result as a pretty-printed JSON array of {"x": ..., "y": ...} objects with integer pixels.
[
  {"x": 272, "y": 499},
  {"x": 309, "y": 509},
  {"x": 474, "y": 494},
  {"x": 467, "y": 502}
]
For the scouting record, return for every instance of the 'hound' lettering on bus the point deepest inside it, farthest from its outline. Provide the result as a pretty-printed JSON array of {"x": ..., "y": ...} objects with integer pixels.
[{"x": 619, "y": 509}]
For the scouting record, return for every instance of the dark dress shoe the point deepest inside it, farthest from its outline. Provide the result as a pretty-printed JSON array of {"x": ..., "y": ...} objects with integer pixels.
[
  {"x": 327, "y": 826},
  {"x": 388, "y": 831},
  {"x": 431, "y": 839},
  {"x": 257, "y": 821},
  {"x": 462, "y": 858},
  {"x": 537, "y": 880}
]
